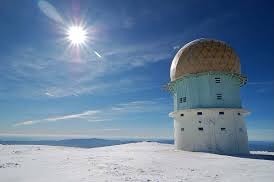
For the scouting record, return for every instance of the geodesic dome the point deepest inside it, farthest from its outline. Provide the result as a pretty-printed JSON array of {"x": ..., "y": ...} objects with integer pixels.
[{"x": 204, "y": 55}]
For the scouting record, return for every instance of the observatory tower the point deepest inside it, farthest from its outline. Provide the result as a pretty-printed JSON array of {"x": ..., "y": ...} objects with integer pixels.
[{"x": 205, "y": 82}]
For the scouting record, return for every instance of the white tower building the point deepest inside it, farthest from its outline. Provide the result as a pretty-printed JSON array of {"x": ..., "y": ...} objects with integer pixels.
[{"x": 205, "y": 83}]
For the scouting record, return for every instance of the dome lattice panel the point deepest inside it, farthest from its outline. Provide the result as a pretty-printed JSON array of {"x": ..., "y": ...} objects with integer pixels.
[{"x": 204, "y": 55}]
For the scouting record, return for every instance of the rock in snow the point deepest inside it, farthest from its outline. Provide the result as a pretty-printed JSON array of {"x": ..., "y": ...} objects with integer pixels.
[{"x": 145, "y": 161}]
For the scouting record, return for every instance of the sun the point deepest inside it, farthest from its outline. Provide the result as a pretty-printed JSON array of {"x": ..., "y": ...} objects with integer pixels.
[{"x": 77, "y": 35}]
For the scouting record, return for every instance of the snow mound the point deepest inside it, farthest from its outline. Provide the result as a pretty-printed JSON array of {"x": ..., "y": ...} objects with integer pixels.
[{"x": 145, "y": 161}]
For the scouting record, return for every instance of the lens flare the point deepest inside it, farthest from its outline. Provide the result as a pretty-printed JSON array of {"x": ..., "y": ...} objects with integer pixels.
[{"x": 77, "y": 35}]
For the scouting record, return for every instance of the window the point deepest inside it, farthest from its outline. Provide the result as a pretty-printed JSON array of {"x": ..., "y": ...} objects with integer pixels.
[
  {"x": 221, "y": 113},
  {"x": 184, "y": 99},
  {"x": 182, "y": 129},
  {"x": 239, "y": 114},
  {"x": 200, "y": 121},
  {"x": 181, "y": 100},
  {"x": 201, "y": 129},
  {"x": 182, "y": 114},
  {"x": 222, "y": 129},
  {"x": 219, "y": 96},
  {"x": 217, "y": 80},
  {"x": 241, "y": 130},
  {"x": 199, "y": 113}
]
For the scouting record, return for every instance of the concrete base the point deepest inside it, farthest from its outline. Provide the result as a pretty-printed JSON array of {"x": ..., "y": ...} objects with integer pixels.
[{"x": 215, "y": 130}]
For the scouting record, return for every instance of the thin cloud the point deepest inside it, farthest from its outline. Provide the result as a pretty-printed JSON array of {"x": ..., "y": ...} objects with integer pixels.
[
  {"x": 116, "y": 112},
  {"x": 49, "y": 94},
  {"x": 50, "y": 11},
  {"x": 30, "y": 122},
  {"x": 82, "y": 115},
  {"x": 74, "y": 116},
  {"x": 176, "y": 47},
  {"x": 262, "y": 86},
  {"x": 262, "y": 83},
  {"x": 112, "y": 129}
]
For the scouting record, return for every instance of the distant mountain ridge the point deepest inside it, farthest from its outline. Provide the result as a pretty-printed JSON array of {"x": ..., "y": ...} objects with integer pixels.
[
  {"x": 82, "y": 143},
  {"x": 97, "y": 142}
]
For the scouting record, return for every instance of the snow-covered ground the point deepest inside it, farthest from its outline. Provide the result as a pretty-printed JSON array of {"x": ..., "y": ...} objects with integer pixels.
[{"x": 144, "y": 161}]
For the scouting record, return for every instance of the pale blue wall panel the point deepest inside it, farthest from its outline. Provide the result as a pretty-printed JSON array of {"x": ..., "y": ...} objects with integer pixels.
[{"x": 201, "y": 92}]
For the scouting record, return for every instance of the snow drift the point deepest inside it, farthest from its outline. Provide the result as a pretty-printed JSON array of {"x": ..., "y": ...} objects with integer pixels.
[{"x": 145, "y": 161}]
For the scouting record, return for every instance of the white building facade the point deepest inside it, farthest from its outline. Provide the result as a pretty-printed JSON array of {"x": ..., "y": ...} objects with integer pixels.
[{"x": 205, "y": 83}]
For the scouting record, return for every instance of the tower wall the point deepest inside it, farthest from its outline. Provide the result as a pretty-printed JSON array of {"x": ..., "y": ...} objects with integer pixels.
[
  {"x": 211, "y": 131},
  {"x": 207, "y": 90},
  {"x": 208, "y": 115}
]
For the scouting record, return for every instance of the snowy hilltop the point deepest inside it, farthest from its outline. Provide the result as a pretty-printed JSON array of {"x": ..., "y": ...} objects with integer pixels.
[{"x": 145, "y": 161}]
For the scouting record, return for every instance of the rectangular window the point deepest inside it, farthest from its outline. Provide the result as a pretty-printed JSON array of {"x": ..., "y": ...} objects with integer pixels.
[
  {"x": 181, "y": 100},
  {"x": 222, "y": 129},
  {"x": 221, "y": 113},
  {"x": 239, "y": 114},
  {"x": 184, "y": 99},
  {"x": 219, "y": 96},
  {"x": 201, "y": 129},
  {"x": 182, "y": 114},
  {"x": 199, "y": 113},
  {"x": 182, "y": 129},
  {"x": 217, "y": 80},
  {"x": 240, "y": 129}
]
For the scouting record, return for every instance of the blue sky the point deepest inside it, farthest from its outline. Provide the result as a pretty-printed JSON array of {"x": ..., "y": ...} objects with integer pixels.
[{"x": 50, "y": 89}]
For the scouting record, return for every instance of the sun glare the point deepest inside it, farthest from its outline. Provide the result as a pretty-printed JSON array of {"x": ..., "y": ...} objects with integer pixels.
[{"x": 77, "y": 35}]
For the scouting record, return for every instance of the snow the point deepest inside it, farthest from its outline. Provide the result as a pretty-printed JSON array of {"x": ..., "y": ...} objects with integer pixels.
[{"x": 145, "y": 161}]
